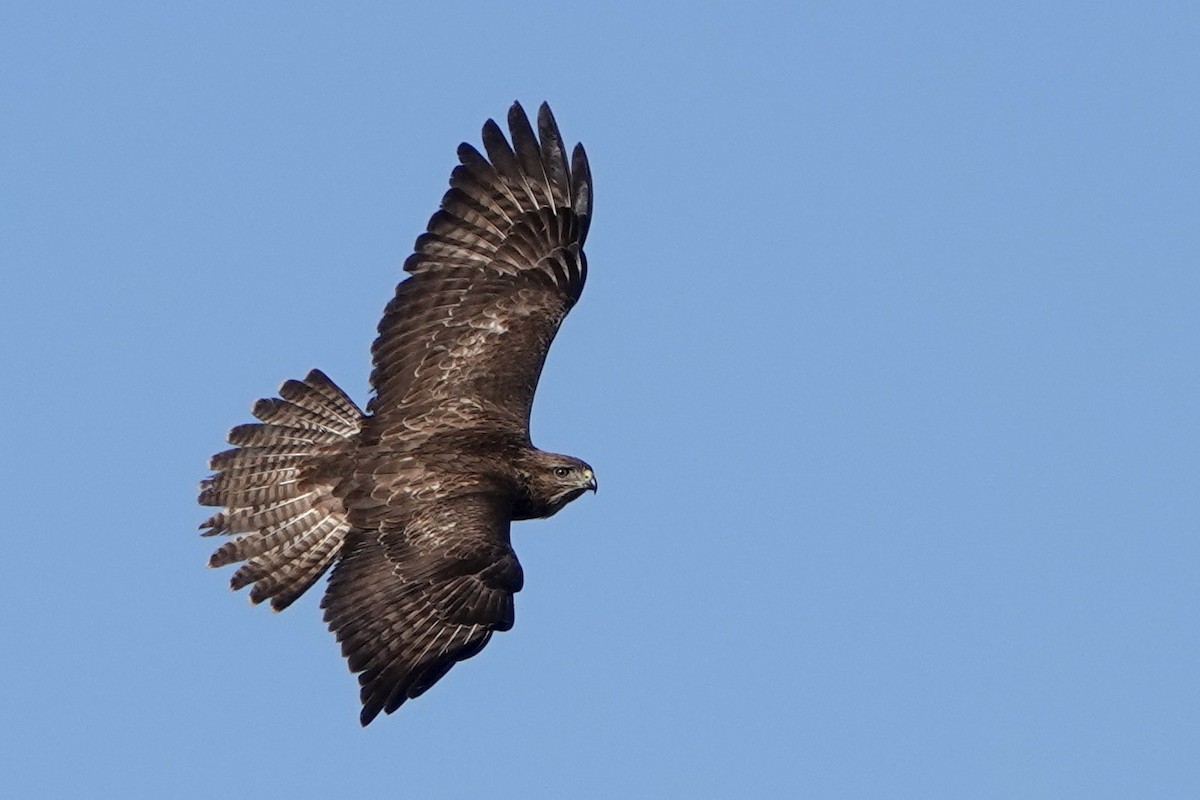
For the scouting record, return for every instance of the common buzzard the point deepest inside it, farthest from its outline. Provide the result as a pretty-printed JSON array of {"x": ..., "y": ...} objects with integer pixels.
[{"x": 411, "y": 501}]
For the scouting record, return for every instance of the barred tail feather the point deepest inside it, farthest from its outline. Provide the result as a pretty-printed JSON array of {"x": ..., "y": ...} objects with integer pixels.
[{"x": 277, "y": 499}]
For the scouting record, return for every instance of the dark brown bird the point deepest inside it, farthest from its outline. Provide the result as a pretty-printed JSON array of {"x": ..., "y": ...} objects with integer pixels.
[{"x": 411, "y": 501}]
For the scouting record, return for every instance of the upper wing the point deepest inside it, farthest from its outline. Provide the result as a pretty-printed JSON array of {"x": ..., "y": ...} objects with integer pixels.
[
  {"x": 410, "y": 601},
  {"x": 497, "y": 270}
]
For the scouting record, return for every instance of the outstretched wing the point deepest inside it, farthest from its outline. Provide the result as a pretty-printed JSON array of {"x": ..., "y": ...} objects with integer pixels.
[
  {"x": 410, "y": 601},
  {"x": 497, "y": 270}
]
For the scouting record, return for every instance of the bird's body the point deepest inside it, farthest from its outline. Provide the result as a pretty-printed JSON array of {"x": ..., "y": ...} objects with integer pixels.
[{"x": 411, "y": 501}]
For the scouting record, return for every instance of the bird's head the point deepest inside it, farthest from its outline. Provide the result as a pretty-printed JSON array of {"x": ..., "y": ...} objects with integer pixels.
[{"x": 555, "y": 480}]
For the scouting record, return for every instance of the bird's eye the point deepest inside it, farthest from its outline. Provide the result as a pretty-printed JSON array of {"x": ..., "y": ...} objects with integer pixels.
[{"x": 562, "y": 472}]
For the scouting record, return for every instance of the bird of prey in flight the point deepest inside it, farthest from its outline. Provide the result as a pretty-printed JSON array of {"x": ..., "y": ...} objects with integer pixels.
[{"x": 411, "y": 501}]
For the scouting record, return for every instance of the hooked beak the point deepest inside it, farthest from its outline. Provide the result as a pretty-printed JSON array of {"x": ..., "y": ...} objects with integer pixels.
[{"x": 591, "y": 484}]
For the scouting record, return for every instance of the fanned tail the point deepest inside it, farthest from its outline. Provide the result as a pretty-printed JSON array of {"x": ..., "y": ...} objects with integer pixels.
[{"x": 278, "y": 490}]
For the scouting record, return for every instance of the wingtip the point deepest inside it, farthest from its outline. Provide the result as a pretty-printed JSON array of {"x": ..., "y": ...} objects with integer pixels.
[
  {"x": 492, "y": 133},
  {"x": 546, "y": 121},
  {"x": 517, "y": 119},
  {"x": 581, "y": 178},
  {"x": 579, "y": 161},
  {"x": 368, "y": 714}
]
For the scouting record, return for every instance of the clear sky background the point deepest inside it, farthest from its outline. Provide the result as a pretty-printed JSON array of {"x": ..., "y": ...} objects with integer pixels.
[{"x": 888, "y": 363}]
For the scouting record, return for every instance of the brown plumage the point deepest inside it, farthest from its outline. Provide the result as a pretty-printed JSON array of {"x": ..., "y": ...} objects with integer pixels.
[{"x": 411, "y": 502}]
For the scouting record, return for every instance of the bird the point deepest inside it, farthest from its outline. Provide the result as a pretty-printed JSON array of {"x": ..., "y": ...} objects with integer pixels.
[{"x": 411, "y": 501}]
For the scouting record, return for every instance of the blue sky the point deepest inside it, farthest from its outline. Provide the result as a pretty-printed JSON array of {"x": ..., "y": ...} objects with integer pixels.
[{"x": 888, "y": 364}]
